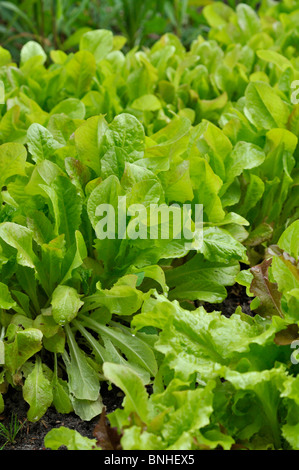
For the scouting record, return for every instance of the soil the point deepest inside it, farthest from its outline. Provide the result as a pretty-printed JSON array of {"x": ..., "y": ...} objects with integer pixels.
[{"x": 31, "y": 435}]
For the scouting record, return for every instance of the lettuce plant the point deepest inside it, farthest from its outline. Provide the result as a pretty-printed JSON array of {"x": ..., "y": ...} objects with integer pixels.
[
  {"x": 222, "y": 382},
  {"x": 214, "y": 126},
  {"x": 244, "y": 384},
  {"x": 60, "y": 279}
]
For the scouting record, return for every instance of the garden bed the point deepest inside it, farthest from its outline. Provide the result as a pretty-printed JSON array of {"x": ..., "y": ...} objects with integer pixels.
[{"x": 31, "y": 435}]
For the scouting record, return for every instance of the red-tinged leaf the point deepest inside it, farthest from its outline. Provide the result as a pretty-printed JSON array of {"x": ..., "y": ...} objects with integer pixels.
[
  {"x": 106, "y": 436},
  {"x": 293, "y": 121},
  {"x": 239, "y": 447},
  {"x": 265, "y": 290},
  {"x": 263, "y": 233},
  {"x": 287, "y": 336}
]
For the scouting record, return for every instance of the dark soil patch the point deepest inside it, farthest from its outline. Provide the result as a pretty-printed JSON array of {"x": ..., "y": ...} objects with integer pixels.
[{"x": 236, "y": 297}]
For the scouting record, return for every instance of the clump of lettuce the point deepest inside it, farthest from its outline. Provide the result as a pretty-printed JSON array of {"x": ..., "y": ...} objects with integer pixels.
[
  {"x": 63, "y": 283},
  {"x": 235, "y": 88},
  {"x": 223, "y": 382},
  {"x": 227, "y": 383},
  {"x": 215, "y": 125}
]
